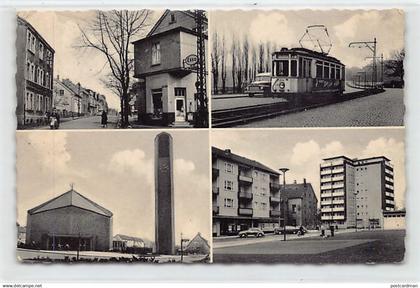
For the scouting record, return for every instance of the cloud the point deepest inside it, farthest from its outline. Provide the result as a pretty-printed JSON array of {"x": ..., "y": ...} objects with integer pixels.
[
  {"x": 132, "y": 161},
  {"x": 184, "y": 166}
]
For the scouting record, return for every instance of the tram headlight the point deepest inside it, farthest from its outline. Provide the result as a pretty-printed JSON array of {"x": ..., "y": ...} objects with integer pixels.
[{"x": 282, "y": 85}]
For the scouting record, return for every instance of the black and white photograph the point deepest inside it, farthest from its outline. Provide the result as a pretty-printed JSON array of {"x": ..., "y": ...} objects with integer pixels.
[
  {"x": 113, "y": 197},
  {"x": 111, "y": 69},
  {"x": 308, "y": 196},
  {"x": 307, "y": 68}
]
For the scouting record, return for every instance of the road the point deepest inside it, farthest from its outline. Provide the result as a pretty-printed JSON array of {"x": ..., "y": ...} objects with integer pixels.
[
  {"x": 383, "y": 109},
  {"x": 241, "y": 100},
  {"x": 93, "y": 122},
  {"x": 355, "y": 247}
]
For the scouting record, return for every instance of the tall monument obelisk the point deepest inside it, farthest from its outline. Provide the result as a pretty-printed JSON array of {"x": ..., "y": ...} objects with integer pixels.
[{"x": 164, "y": 195}]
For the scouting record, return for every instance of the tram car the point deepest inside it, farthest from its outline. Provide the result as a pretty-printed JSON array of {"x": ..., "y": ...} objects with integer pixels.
[{"x": 300, "y": 71}]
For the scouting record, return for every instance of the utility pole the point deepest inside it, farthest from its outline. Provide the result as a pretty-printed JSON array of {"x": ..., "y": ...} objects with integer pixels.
[
  {"x": 382, "y": 66},
  {"x": 202, "y": 111},
  {"x": 371, "y": 45},
  {"x": 285, "y": 204}
]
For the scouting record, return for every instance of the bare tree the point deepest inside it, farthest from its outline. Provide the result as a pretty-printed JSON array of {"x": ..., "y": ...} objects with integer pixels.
[
  {"x": 223, "y": 64},
  {"x": 239, "y": 73},
  {"x": 254, "y": 62},
  {"x": 268, "y": 49},
  {"x": 261, "y": 58},
  {"x": 215, "y": 59},
  {"x": 111, "y": 34},
  {"x": 395, "y": 66},
  {"x": 245, "y": 57},
  {"x": 234, "y": 62}
]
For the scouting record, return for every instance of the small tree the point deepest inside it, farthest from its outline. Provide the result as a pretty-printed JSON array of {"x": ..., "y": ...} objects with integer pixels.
[
  {"x": 234, "y": 62},
  {"x": 261, "y": 59},
  {"x": 223, "y": 64},
  {"x": 111, "y": 34},
  {"x": 215, "y": 59}
]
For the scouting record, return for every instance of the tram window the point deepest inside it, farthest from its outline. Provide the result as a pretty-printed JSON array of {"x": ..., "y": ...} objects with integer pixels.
[
  {"x": 293, "y": 68},
  {"x": 326, "y": 71},
  {"x": 318, "y": 70},
  {"x": 301, "y": 67},
  {"x": 309, "y": 73},
  {"x": 282, "y": 68},
  {"x": 332, "y": 75},
  {"x": 337, "y": 73}
]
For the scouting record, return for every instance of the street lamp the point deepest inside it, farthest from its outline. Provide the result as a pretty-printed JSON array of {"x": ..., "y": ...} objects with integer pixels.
[{"x": 285, "y": 204}]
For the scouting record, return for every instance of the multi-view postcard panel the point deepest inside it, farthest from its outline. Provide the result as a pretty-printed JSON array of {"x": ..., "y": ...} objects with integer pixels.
[{"x": 121, "y": 175}]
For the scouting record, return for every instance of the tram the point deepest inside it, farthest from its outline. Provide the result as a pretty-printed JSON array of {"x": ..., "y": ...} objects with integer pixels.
[{"x": 303, "y": 71}]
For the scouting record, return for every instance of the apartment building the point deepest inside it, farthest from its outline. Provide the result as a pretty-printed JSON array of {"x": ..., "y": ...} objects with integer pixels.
[
  {"x": 34, "y": 75},
  {"x": 246, "y": 193},
  {"x": 165, "y": 65},
  {"x": 355, "y": 192}
]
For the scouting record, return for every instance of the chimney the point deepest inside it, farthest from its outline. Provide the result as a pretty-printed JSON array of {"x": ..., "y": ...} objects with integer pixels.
[
  {"x": 228, "y": 151},
  {"x": 304, "y": 182}
]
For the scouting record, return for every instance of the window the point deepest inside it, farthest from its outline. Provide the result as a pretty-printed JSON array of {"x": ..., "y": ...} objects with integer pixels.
[
  {"x": 228, "y": 185},
  {"x": 173, "y": 19},
  {"x": 282, "y": 68},
  {"x": 155, "y": 53},
  {"x": 228, "y": 168},
  {"x": 326, "y": 70},
  {"x": 337, "y": 72},
  {"x": 293, "y": 68},
  {"x": 61, "y": 92},
  {"x": 180, "y": 92},
  {"x": 33, "y": 43},
  {"x": 318, "y": 69},
  {"x": 228, "y": 202},
  {"x": 41, "y": 51},
  {"x": 293, "y": 208}
]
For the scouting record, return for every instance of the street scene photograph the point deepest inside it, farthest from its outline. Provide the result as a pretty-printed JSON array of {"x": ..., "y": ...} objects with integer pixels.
[
  {"x": 307, "y": 68},
  {"x": 112, "y": 196},
  {"x": 111, "y": 69},
  {"x": 308, "y": 196}
]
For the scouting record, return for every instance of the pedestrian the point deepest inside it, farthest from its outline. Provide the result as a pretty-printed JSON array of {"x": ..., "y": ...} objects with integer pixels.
[
  {"x": 104, "y": 119},
  {"x": 332, "y": 230},
  {"x": 323, "y": 230}
]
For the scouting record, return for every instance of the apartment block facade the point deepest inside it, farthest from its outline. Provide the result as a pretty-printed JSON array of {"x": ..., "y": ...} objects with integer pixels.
[
  {"x": 245, "y": 193},
  {"x": 34, "y": 75},
  {"x": 356, "y": 192}
]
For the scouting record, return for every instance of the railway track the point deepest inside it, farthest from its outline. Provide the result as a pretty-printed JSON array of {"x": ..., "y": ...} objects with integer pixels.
[{"x": 236, "y": 116}]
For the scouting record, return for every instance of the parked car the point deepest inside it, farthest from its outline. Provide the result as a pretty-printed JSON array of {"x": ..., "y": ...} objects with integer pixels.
[
  {"x": 256, "y": 232},
  {"x": 291, "y": 230},
  {"x": 261, "y": 85}
]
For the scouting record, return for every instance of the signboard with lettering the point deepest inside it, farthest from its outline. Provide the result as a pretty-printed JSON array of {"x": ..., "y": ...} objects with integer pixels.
[{"x": 191, "y": 60}]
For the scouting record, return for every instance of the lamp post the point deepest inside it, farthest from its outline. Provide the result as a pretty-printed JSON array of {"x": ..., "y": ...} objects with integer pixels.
[{"x": 284, "y": 170}]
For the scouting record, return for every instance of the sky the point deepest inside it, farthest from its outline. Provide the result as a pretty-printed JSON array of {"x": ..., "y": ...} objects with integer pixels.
[
  {"x": 302, "y": 151},
  {"x": 61, "y": 30},
  {"x": 116, "y": 170},
  {"x": 285, "y": 27}
]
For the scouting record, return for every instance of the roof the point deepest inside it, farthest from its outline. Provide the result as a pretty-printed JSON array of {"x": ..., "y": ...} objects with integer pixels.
[
  {"x": 309, "y": 52},
  {"x": 71, "y": 198},
  {"x": 357, "y": 159},
  {"x": 239, "y": 159},
  {"x": 297, "y": 190},
  {"x": 197, "y": 237},
  {"x": 167, "y": 11},
  {"x": 121, "y": 237}
]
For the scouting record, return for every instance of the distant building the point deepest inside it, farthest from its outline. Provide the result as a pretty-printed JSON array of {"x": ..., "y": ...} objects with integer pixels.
[
  {"x": 301, "y": 204},
  {"x": 356, "y": 191},
  {"x": 34, "y": 75},
  {"x": 246, "y": 193},
  {"x": 394, "y": 220},
  {"x": 167, "y": 92},
  {"x": 130, "y": 244},
  {"x": 67, "y": 220},
  {"x": 66, "y": 101},
  {"x": 21, "y": 234},
  {"x": 198, "y": 245}
]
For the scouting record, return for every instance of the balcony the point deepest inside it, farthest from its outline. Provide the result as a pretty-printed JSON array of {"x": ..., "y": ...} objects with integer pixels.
[
  {"x": 338, "y": 202},
  {"x": 215, "y": 191},
  {"x": 245, "y": 211},
  {"x": 327, "y": 218},
  {"x": 338, "y": 217},
  {"x": 326, "y": 195},
  {"x": 275, "y": 199},
  {"x": 338, "y": 185},
  {"x": 275, "y": 213},
  {"x": 245, "y": 195},
  {"x": 245, "y": 179},
  {"x": 215, "y": 210},
  {"x": 326, "y": 187},
  {"x": 338, "y": 194},
  {"x": 274, "y": 186},
  {"x": 215, "y": 173},
  {"x": 325, "y": 172},
  {"x": 326, "y": 209},
  {"x": 338, "y": 209},
  {"x": 336, "y": 171},
  {"x": 338, "y": 178}
]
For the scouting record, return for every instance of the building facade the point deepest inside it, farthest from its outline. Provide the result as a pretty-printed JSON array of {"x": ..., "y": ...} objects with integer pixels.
[
  {"x": 166, "y": 95},
  {"x": 34, "y": 75},
  {"x": 245, "y": 193},
  {"x": 67, "y": 220},
  {"x": 355, "y": 192},
  {"x": 197, "y": 245},
  {"x": 301, "y": 204},
  {"x": 66, "y": 101}
]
